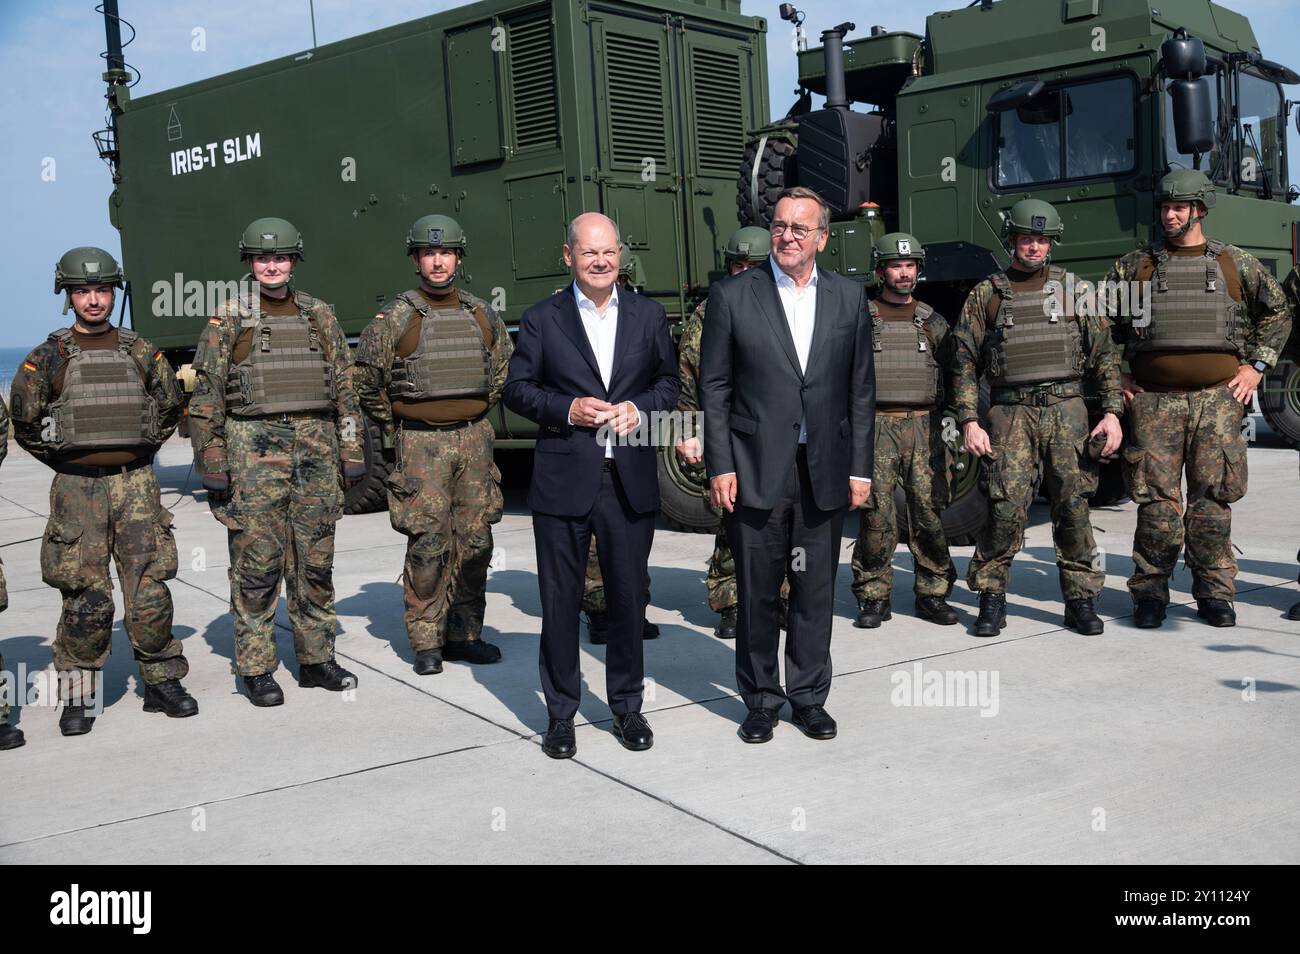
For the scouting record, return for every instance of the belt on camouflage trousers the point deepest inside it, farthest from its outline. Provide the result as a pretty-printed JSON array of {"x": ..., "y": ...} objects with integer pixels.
[
  {"x": 88, "y": 470},
  {"x": 411, "y": 424},
  {"x": 1035, "y": 394}
]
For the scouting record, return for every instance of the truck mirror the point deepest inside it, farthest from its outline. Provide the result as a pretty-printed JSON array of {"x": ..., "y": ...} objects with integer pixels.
[
  {"x": 1193, "y": 109},
  {"x": 1182, "y": 56},
  {"x": 1013, "y": 97}
]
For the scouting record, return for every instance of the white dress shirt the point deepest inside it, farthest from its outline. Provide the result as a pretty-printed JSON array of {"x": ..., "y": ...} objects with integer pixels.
[
  {"x": 800, "y": 306},
  {"x": 601, "y": 331}
]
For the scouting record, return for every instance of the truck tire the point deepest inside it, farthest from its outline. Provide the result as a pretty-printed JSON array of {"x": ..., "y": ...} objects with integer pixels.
[
  {"x": 1279, "y": 402},
  {"x": 371, "y": 495},
  {"x": 775, "y": 169},
  {"x": 683, "y": 496}
]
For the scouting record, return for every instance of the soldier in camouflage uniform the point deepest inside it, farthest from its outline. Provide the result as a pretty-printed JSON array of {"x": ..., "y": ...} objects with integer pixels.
[
  {"x": 10, "y": 737},
  {"x": 631, "y": 277},
  {"x": 430, "y": 367},
  {"x": 94, "y": 403},
  {"x": 276, "y": 429},
  {"x": 1216, "y": 322},
  {"x": 747, "y": 247},
  {"x": 1022, "y": 328},
  {"x": 911, "y": 343}
]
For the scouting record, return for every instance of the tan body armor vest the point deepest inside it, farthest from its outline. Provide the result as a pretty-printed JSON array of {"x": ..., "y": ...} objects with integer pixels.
[
  {"x": 1032, "y": 341},
  {"x": 1191, "y": 308},
  {"x": 451, "y": 359},
  {"x": 105, "y": 400},
  {"x": 906, "y": 371},
  {"x": 285, "y": 371}
]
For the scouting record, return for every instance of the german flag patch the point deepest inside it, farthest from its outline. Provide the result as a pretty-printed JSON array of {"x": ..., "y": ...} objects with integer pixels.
[
  {"x": 157, "y": 355},
  {"x": 29, "y": 366},
  {"x": 214, "y": 321}
]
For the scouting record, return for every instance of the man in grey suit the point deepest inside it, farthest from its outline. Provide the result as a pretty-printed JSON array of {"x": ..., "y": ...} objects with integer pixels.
[{"x": 787, "y": 388}]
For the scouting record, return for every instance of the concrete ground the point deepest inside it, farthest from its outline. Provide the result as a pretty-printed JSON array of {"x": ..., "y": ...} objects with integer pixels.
[{"x": 1174, "y": 745}]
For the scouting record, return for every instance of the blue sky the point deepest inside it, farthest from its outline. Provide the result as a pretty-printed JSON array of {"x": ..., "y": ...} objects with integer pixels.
[{"x": 50, "y": 50}]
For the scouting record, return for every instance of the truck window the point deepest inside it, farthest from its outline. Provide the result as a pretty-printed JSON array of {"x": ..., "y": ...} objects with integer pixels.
[
  {"x": 1079, "y": 131},
  {"x": 1262, "y": 131}
]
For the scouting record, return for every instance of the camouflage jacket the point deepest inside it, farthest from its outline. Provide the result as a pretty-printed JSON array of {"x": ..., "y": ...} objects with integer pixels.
[
  {"x": 1291, "y": 286},
  {"x": 375, "y": 354},
  {"x": 4, "y": 431},
  {"x": 32, "y": 391},
  {"x": 212, "y": 364},
  {"x": 1100, "y": 356},
  {"x": 688, "y": 360},
  {"x": 1265, "y": 314}
]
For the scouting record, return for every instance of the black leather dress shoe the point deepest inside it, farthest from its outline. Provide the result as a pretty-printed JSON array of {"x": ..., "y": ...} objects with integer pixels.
[
  {"x": 559, "y": 741},
  {"x": 936, "y": 610},
  {"x": 650, "y": 630},
  {"x": 326, "y": 675},
  {"x": 471, "y": 651},
  {"x": 871, "y": 613},
  {"x": 633, "y": 731},
  {"x": 597, "y": 628},
  {"x": 1148, "y": 614},
  {"x": 1294, "y": 611},
  {"x": 726, "y": 628},
  {"x": 1216, "y": 612},
  {"x": 11, "y": 738},
  {"x": 263, "y": 690},
  {"x": 428, "y": 662},
  {"x": 993, "y": 614},
  {"x": 74, "y": 721},
  {"x": 1080, "y": 615},
  {"x": 814, "y": 722},
  {"x": 758, "y": 725},
  {"x": 170, "y": 697}
]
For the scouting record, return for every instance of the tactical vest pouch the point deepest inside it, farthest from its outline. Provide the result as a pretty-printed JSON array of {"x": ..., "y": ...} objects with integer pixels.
[
  {"x": 1191, "y": 308},
  {"x": 906, "y": 371},
  {"x": 104, "y": 402},
  {"x": 451, "y": 359},
  {"x": 1032, "y": 340},
  {"x": 286, "y": 370}
]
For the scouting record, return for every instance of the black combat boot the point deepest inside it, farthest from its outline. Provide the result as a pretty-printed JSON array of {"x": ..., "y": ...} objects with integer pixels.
[
  {"x": 1080, "y": 615},
  {"x": 1216, "y": 612},
  {"x": 1148, "y": 614},
  {"x": 993, "y": 614},
  {"x": 428, "y": 662},
  {"x": 871, "y": 613},
  {"x": 471, "y": 651},
  {"x": 726, "y": 628},
  {"x": 1293, "y": 612},
  {"x": 327, "y": 675},
  {"x": 650, "y": 630},
  {"x": 263, "y": 690},
  {"x": 170, "y": 697},
  {"x": 11, "y": 738},
  {"x": 597, "y": 628},
  {"x": 936, "y": 610},
  {"x": 74, "y": 721}
]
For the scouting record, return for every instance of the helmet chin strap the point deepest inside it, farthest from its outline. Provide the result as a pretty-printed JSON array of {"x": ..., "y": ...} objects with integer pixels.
[
  {"x": 440, "y": 286},
  {"x": 1192, "y": 219}
]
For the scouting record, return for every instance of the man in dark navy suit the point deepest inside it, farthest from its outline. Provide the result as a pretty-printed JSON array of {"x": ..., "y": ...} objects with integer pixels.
[{"x": 591, "y": 364}]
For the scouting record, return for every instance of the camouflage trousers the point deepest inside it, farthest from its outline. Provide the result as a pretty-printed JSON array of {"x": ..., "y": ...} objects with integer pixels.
[
  {"x": 286, "y": 497},
  {"x": 909, "y": 454},
  {"x": 94, "y": 520},
  {"x": 4, "y": 692},
  {"x": 444, "y": 495},
  {"x": 1026, "y": 437},
  {"x": 1199, "y": 433}
]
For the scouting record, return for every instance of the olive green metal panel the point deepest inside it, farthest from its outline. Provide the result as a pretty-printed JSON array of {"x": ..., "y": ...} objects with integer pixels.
[{"x": 473, "y": 96}]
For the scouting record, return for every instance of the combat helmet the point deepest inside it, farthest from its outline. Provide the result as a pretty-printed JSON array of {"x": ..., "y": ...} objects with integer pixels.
[
  {"x": 894, "y": 246},
  {"x": 270, "y": 236},
  {"x": 749, "y": 244},
  {"x": 86, "y": 265},
  {"x": 436, "y": 231}
]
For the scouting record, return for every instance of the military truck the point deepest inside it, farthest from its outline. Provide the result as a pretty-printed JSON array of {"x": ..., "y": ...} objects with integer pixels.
[
  {"x": 514, "y": 116},
  {"x": 1084, "y": 103},
  {"x": 510, "y": 115}
]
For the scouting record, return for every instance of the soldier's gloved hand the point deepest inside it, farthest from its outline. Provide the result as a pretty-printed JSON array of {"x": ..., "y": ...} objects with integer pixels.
[
  {"x": 217, "y": 486},
  {"x": 354, "y": 471}
]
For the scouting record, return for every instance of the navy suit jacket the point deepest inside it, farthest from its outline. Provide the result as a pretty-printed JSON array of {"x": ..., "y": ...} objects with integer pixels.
[{"x": 553, "y": 363}]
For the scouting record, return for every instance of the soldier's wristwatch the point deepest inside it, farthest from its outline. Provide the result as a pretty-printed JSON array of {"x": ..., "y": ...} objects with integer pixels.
[{"x": 1260, "y": 366}]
